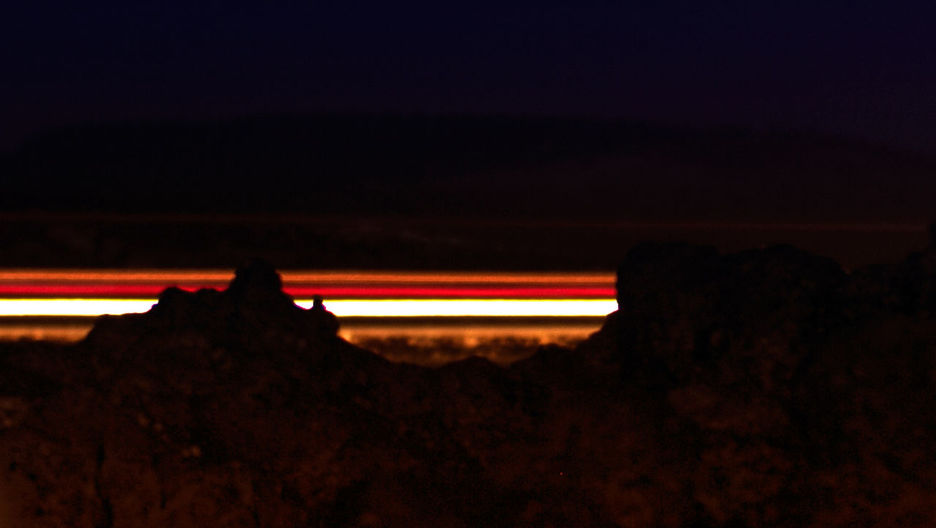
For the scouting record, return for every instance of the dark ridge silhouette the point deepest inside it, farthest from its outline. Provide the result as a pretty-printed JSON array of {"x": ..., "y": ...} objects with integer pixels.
[
  {"x": 332, "y": 164},
  {"x": 761, "y": 388}
]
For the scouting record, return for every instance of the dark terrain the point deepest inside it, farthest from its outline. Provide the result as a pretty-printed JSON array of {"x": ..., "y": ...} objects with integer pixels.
[
  {"x": 95, "y": 240},
  {"x": 762, "y": 388},
  {"x": 447, "y": 192},
  {"x": 479, "y": 167}
]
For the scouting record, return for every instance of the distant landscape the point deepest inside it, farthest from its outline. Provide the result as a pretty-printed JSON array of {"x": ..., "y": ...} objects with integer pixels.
[
  {"x": 466, "y": 166},
  {"x": 416, "y": 243},
  {"x": 447, "y": 192}
]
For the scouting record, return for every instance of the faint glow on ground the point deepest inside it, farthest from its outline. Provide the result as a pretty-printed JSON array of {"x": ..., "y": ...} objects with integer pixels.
[
  {"x": 472, "y": 333},
  {"x": 359, "y": 330},
  {"x": 45, "y": 331}
]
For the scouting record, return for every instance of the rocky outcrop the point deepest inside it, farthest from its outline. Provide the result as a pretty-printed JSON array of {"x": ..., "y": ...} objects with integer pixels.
[{"x": 765, "y": 388}]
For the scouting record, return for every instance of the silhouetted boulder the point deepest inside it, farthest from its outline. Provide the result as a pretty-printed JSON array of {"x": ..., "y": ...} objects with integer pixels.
[
  {"x": 321, "y": 318},
  {"x": 258, "y": 283},
  {"x": 681, "y": 304},
  {"x": 908, "y": 286}
]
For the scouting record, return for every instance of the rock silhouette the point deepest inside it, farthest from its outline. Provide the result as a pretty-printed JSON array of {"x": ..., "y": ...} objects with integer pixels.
[{"x": 763, "y": 388}]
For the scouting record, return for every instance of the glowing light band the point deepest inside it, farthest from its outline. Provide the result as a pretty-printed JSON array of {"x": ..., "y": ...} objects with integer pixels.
[
  {"x": 469, "y": 307},
  {"x": 340, "y": 307},
  {"x": 299, "y": 276},
  {"x": 353, "y": 291},
  {"x": 72, "y": 307},
  {"x": 89, "y": 293}
]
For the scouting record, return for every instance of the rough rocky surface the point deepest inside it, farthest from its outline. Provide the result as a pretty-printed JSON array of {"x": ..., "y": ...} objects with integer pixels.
[{"x": 763, "y": 388}]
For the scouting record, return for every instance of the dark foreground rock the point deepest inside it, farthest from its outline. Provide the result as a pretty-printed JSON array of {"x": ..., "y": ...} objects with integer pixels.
[{"x": 766, "y": 388}]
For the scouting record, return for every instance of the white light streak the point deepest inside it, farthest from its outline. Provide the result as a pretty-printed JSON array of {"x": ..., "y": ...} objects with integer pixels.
[
  {"x": 469, "y": 307},
  {"x": 340, "y": 307},
  {"x": 72, "y": 307}
]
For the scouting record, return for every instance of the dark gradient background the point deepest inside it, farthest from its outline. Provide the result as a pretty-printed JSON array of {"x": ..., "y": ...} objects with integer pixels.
[
  {"x": 637, "y": 112},
  {"x": 859, "y": 69},
  {"x": 767, "y": 387}
]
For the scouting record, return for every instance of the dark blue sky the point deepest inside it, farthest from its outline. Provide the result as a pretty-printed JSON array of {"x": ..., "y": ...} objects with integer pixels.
[{"x": 865, "y": 69}]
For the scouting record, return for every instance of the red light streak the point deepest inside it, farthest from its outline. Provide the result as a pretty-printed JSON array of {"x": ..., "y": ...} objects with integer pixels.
[
  {"x": 344, "y": 292},
  {"x": 294, "y": 276}
]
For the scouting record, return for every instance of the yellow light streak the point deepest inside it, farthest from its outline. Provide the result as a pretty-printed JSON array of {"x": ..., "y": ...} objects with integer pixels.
[{"x": 340, "y": 307}]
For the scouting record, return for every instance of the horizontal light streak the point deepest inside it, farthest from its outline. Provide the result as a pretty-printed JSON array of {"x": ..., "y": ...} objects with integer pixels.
[
  {"x": 36, "y": 307},
  {"x": 147, "y": 275},
  {"x": 334, "y": 285},
  {"x": 469, "y": 307},
  {"x": 72, "y": 307},
  {"x": 399, "y": 298},
  {"x": 330, "y": 291},
  {"x": 302, "y": 276}
]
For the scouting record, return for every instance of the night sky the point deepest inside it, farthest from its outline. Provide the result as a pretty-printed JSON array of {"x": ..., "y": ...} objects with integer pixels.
[{"x": 858, "y": 69}]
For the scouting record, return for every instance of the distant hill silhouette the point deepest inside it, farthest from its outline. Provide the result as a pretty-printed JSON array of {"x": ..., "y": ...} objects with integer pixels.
[{"x": 477, "y": 165}]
